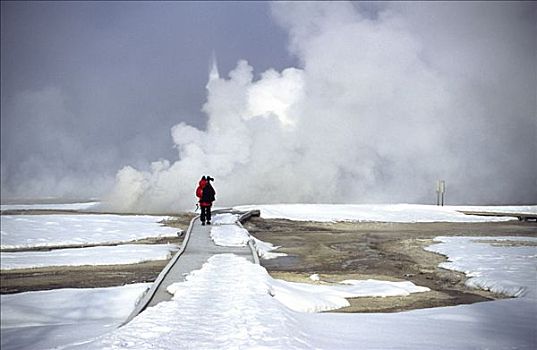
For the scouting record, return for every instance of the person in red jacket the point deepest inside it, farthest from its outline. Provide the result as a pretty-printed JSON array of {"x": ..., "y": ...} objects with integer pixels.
[{"x": 206, "y": 194}]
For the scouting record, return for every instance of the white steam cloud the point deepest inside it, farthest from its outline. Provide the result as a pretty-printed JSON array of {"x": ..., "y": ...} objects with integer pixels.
[{"x": 383, "y": 105}]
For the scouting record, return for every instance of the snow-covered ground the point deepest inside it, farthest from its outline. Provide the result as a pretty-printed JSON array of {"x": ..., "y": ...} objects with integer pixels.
[
  {"x": 231, "y": 303},
  {"x": 23, "y": 231},
  {"x": 380, "y": 212},
  {"x": 109, "y": 255},
  {"x": 51, "y": 319},
  {"x": 323, "y": 297},
  {"x": 265, "y": 249},
  {"x": 505, "y": 265},
  {"x": 52, "y": 206}
]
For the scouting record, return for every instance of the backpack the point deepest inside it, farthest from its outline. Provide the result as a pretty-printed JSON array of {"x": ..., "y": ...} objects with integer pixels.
[{"x": 208, "y": 194}]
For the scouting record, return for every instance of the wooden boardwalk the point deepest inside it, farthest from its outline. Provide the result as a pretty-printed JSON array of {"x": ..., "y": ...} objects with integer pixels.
[{"x": 196, "y": 249}]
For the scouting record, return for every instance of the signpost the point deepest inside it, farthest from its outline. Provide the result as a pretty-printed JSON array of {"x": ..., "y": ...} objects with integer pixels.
[{"x": 440, "y": 190}]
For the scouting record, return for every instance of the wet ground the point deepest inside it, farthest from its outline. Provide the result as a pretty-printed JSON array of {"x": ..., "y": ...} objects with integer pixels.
[{"x": 335, "y": 251}]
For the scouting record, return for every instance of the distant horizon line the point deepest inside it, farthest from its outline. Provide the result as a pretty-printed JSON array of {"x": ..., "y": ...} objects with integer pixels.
[{"x": 72, "y": 200}]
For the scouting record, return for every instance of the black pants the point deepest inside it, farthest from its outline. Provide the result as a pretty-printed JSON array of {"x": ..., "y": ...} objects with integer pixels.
[{"x": 205, "y": 214}]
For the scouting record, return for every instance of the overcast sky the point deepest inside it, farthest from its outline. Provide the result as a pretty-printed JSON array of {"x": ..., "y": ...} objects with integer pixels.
[{"x": 88, "y": 88}]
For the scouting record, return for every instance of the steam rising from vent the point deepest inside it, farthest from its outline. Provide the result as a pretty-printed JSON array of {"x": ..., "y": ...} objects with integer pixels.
[{"x": 377, "y": 112}]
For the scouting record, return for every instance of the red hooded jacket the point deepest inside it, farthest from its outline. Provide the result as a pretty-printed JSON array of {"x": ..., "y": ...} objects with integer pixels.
[
  {"x": 199, "y": 190},
  {"x": 199, "y": 193}
]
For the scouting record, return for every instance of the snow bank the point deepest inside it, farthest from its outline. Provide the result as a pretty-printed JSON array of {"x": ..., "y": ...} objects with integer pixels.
[
  {"x": 51, "y": 319},
  {"x": 265, "y": 249},
  {"x": 110, "y": 255},
  {"x": 69, "y": 206},
  {"x": 499, "y": 264},
  {"x": 23, "y": 231},
  {"x": 357, "y": 212},
  {"x": 498, "y": 325},
  {"x": 318, "y": 297}
]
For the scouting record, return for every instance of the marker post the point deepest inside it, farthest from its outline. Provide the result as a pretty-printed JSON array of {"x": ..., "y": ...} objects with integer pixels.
[{"x": 440, "y": 190}]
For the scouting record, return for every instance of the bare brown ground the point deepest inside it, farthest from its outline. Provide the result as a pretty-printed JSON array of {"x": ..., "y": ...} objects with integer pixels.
[
  {"x": 388, "y": 251},
  {"x": 14, "y": 281}
]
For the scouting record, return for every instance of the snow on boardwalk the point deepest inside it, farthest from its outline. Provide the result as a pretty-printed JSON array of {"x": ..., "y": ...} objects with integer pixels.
[
  {"x": 197, "y": 249},
  {"x": 210, "y": 315}
]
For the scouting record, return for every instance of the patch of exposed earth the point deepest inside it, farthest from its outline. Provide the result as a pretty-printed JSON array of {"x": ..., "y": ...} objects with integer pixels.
[
  {"x": 23, "y": 280},
  {"x": 372, "y": 250}
]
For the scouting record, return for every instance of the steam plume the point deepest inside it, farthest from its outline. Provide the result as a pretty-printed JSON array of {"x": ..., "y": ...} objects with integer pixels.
[{"x": 382, "y": 106}]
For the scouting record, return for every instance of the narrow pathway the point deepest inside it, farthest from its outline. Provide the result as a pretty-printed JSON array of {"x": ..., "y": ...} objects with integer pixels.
[{"x": 197, "y": 248}]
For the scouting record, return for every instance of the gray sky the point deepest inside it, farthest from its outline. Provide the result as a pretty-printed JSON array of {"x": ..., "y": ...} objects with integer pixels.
[
  {"x": 387, "y": 97},
  {"x": 88, "y": 87}
]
